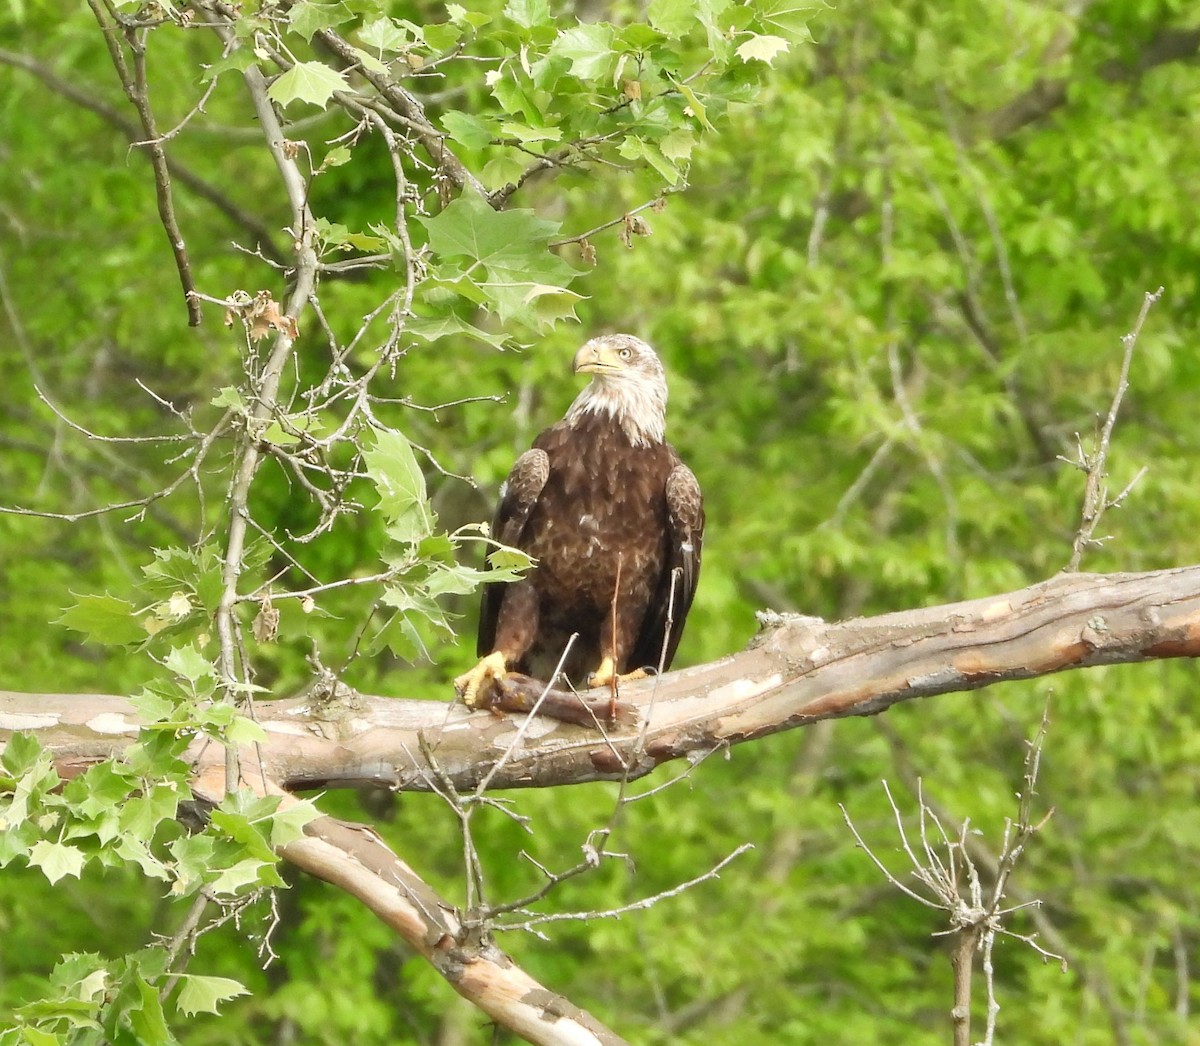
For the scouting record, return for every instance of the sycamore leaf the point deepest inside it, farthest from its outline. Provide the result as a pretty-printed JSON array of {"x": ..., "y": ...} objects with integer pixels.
[
  {"x": 203, "y": 994},
  {"x": 431, "y": 328},
  {"x": 673, "y": 17},
  {"x": 694, "y": 103},
  {"x": 467, "y": 130},
  {"x": 678, "y": 145},
  {"x": 589, "y": 49},
  {"x": 393, "y": 467},
  {"x": 307, "y": 16},
  {"x": 229, "y": 397},
  {"x": 287, "y": 823},
  {"x": 441, "y": 36},
  {"x": 312, "y": 82},
  {"x": 384, "y": 34},
  {"x": 56, "y": 860},
  {"x": 789, "y": 16},
  {"x": 527, "y": 13},
  {"x": 146, "y": 1018},
  {"x": 104, "y": 619},
  {"x": 512, "y": 250},
  {"x": 188, "y": 663},
  {"x": 762, "y": 48}
]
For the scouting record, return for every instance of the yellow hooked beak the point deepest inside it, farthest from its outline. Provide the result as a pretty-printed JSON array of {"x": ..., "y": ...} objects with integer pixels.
[{"x": 597, "y": 359}]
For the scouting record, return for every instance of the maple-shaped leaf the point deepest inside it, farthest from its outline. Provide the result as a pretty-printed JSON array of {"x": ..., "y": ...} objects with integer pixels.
[
  {"x": 510, "y": 262},
  {"x": 762, "y": 48},
  {"x": 312, "y": 82}
]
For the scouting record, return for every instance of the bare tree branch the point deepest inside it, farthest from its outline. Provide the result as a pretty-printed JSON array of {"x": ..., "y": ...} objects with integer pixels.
[
  {"x": 794, "y": 674},
  {"x": 89, "y": 99},
  {"x": 1095, "y": 494}
]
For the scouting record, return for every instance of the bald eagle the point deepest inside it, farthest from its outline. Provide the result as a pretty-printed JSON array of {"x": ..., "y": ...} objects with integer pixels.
[{"x": 615, "y": 522}]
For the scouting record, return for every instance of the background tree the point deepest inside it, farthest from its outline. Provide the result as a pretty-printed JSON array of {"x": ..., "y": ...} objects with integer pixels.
[{"x": 892, "y": 292}]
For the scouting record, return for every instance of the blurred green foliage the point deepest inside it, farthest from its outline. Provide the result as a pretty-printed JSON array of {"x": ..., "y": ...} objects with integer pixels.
[{"x": 889, "y": 278}]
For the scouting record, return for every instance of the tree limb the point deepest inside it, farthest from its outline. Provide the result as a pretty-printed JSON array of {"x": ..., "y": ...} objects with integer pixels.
[
  {"x": 1046, "y": 94},
  {"x": 88, "y": 98},
  {"x": 355, "y": 859},
  {"x": 796, "y": 672}
]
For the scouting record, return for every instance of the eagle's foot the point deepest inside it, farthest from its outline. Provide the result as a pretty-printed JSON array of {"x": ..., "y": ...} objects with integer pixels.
[
  {"x": 606, "y": 674},
  {"x": 473, "y": 685}
]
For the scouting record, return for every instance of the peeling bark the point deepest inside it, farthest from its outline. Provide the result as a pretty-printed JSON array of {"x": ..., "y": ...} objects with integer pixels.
[{"x": 797, "y": 671}]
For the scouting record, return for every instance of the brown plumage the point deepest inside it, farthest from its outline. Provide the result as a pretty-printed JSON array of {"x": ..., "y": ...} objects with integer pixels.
[{"x": 615, "y": 521}]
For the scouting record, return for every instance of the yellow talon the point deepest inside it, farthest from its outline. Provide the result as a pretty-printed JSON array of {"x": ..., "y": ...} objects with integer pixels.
[
  {"x": 607, "y": 672},
  {"x": 494, "y": 667}
]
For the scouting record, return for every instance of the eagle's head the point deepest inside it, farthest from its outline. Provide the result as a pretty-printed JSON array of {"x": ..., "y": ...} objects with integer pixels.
[{"x": 628, "y": 384}]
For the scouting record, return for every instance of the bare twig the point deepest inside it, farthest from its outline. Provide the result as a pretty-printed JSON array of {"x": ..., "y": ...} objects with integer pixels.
[
  {"x": 137, "y": 90},
  {"x": 1095, "y": 492},
  {"x": 950, "y": 882},
  {"x": 535, "y": 920}
]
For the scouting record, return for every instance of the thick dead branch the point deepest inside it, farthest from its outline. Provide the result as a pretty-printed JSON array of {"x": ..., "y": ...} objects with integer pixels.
[
  {"x": 355, "y": 859},
  {"x": 793, "y": 674}
]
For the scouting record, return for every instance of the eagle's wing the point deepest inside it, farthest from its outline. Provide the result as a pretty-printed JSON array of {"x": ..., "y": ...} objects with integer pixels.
[
  {"x": 662, "y": 626},
  {"x": 518, "y": 495}
]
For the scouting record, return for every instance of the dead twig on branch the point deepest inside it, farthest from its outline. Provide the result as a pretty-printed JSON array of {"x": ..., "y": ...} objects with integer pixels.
[
  {"x": 1095, "y": 492},
  {"x": 949, "y": 881},
  {"x": 137, "y": 90}
]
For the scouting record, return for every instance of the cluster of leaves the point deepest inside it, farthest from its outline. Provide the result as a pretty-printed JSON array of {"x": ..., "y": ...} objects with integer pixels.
[
  {"x": 94, "y": 1000},
  {"x": 425, "y": 563},
  {"x": 124, "y": 813}
]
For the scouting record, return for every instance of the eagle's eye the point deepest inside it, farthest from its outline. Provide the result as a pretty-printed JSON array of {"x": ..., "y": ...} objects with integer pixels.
[{"x": 626, "y": 353}]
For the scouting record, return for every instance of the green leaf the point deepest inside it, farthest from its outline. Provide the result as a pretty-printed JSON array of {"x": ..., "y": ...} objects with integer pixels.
[
  {"x": 307, "y": 16},
  {"x": 312, "y": 82},
  {"x": 678, "y": 145},
  {"x": 22, "y": 754},
  {"x": 101, "y": 788},
  {"x": 195, "y": 570},
  {"x": 204, "y": 994},
  {"x": 789, "y": 16},
  {"x": 511, "y": 248},
  {"x": 188, "y": 663},
  {"x": 239, "y": 60},
  {"x": 509, "y": 559},
  {"x": 229, "y": 397},
  {"x": 146, "y": 1017},
  {"x": 589, "y": 50},
  {"x": 385, "y": 34},
  {"x": 393, "y": 467},
  {"x": 35, "y": 1037},
  {"x": 530, "y": 134},
  {"x": 694, "y": 103},
  {"x": 141, "y": 816},
  {"x": 673, "y": 17},
  {"x": 243, "y": 730},
  {"x": 241, "y": 874},
  {"x": 441, "y": 36},
  {"x": 56, "y": 860},
  {"x": 104, "y": 619},
  {"x": 287, "y": 823},
  {"x": 636, "y": 148},
  {"x": 528, "y": 13},
  {"x": 433, "y": 328},
  {"x": 336, "y": 157},
  {"x": 467, "y": 130}
]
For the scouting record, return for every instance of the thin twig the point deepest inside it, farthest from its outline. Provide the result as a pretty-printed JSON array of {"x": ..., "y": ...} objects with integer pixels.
[
  {"x": 1095, "y": 464},
  {"x": 137, "y": 90}
]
